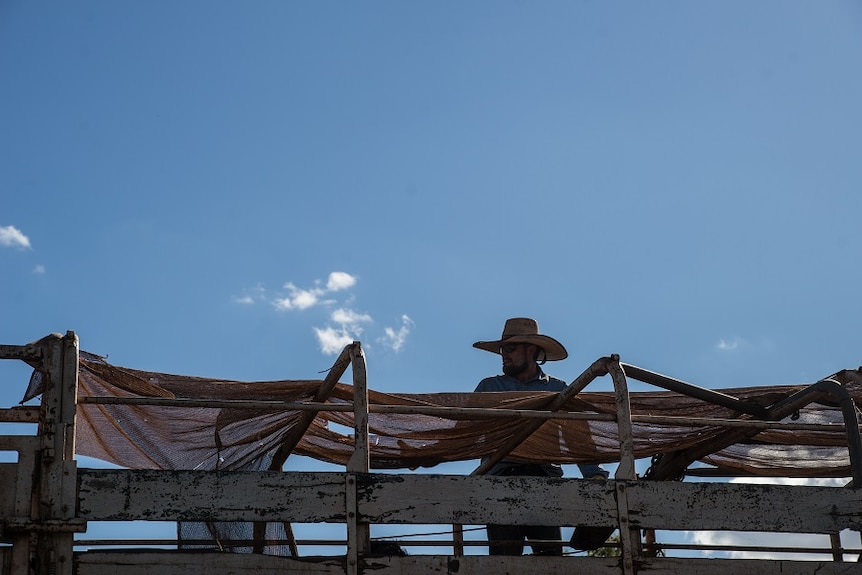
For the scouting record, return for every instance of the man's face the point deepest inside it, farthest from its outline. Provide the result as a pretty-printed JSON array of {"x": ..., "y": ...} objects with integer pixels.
[{"x": 516, "y": 357}]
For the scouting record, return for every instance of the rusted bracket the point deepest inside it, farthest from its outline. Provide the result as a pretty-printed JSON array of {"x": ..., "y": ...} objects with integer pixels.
[{"x": 32, "y": 353}]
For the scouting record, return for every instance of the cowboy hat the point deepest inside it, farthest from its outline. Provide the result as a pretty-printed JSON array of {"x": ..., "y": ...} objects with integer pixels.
[{"x": 525, "y": 330}]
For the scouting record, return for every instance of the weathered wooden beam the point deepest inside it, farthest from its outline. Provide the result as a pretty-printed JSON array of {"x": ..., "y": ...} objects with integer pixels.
[
  {"x": 174, "y": 563},
  {"x": 744, "y": 507},
  {"x": 478, "y": 500},
  {"x": 19, "y": 443},
  {"x": 158, "y": 495},
  {"x": 124, "y": 495},
  {"x": 20, "y": 414},
  {"x": 152, "y": 562},
  {"x": 675, "y": 566},
  {"x": 433, "y": 499}
]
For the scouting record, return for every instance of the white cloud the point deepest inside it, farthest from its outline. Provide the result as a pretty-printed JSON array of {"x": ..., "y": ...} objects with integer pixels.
[
  {"x": 10, "y": 236},
  {"x": 339, "y": 281},
  {"x": 39, "y": 269},
  {"x": 345, "y": 324},
  {"x": 395, "y": 339},
  {"x": 349, "y": 317},
  {"x": 300, "y": 299},
  {"x": 332, "y": 340},
  {"x": 304, "y": 299}
]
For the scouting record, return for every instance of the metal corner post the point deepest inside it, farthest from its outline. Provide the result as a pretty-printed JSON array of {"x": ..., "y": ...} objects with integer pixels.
[
  {"x": 358, "y": 533},
  {"x": 629, "y": 537},
  {"x": 54, "y": 517}
]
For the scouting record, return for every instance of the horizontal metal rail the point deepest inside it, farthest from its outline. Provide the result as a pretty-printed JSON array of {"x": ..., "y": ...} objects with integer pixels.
[
  {"x": 444, "y": 543},
  {"x": 27, "y": 352},
  {"x": 690, "y": 390},
  {"x": 25, "y": 414},
  {"x": 752, "y": 548},
  {"x": 471, "y": 412}
]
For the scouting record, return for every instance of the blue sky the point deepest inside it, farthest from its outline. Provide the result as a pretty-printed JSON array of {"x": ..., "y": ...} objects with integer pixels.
[{"x": 227, "y": 188}]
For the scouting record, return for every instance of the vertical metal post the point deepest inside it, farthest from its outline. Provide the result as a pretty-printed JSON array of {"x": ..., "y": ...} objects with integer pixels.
[
  {"x": 457, "y": 540},
  {"x": 58, "y": 481},
  {"x": 358, "y": 533},
  {"x": 835, "y": 542},
  {"x": 629, "y": 538}
]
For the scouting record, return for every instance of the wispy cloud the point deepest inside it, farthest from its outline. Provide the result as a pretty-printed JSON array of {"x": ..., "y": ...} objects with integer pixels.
[
  {"x": 344, "y": 324},
  {"x": 251, "y": 296},
  {"x": 10, "y": 236},
  {"x": 299, "y": 298},
  {"x": 332, "y": 340},
  {"x": 729, "y": 344},
  {"x": 394, "y": 339},
  {"x": 39, "y": 269},
  {"x": 348, "y": 328},
  {"x": 349, "y": 317},
  {"x": 748, "y": 345}
]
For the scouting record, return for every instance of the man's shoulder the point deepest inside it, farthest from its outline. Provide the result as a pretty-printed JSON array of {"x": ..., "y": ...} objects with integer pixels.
[
  {"x": 556, "y": 384},
  {"x": 506, "y": 383}
]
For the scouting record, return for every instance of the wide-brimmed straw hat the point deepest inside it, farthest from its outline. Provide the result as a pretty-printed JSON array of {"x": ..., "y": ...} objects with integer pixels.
[{"x": 525, "y": 330}]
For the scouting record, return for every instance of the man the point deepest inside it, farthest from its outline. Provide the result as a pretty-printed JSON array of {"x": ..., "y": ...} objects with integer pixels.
[{"x": 523, "y": 349}]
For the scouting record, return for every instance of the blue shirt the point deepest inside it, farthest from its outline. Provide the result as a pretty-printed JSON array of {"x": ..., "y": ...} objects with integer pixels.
[{"x": 542, "y": 382}]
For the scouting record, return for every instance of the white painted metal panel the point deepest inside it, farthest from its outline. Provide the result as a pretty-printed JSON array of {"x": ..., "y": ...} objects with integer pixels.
[
  {"x": 744, "y": 507},
  {"x": 126, "y": 495},
  {"x": 475, "y": 500}
]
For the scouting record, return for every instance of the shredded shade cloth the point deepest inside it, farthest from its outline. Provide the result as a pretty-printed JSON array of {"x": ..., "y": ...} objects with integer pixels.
[{"x": 209, "y": 438}]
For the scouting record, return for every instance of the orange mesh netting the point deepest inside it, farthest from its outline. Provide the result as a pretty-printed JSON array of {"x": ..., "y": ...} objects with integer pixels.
[{"x": 208, "y": 438}]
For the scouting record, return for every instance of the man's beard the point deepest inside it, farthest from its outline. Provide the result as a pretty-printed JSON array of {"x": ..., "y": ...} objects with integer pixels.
[{"x": 513, "y": 369}]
